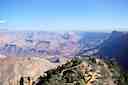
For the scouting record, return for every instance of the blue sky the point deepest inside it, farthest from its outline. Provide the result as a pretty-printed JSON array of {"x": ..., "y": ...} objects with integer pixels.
[{"x": 57, "y": 15}]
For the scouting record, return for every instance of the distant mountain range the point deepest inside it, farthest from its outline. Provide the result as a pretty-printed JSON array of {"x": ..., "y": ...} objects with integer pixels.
[{"x": 65, "y": 44}]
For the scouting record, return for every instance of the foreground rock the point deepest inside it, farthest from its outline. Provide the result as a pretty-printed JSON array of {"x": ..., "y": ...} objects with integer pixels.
[
  {"x": 41, "y": 71},
  {"x": 12, "y": 69}
]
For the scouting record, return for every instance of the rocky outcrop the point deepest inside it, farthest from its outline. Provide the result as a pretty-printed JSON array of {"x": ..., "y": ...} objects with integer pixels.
[{"x": 83, "y": 71}]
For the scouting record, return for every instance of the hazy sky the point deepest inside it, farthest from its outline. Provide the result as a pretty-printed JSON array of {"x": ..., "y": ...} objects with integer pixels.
[{"x": 88, "y": 15}]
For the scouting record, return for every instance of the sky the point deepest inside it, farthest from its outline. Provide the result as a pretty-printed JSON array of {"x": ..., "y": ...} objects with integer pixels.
[{"x": 60, "y": 15}]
